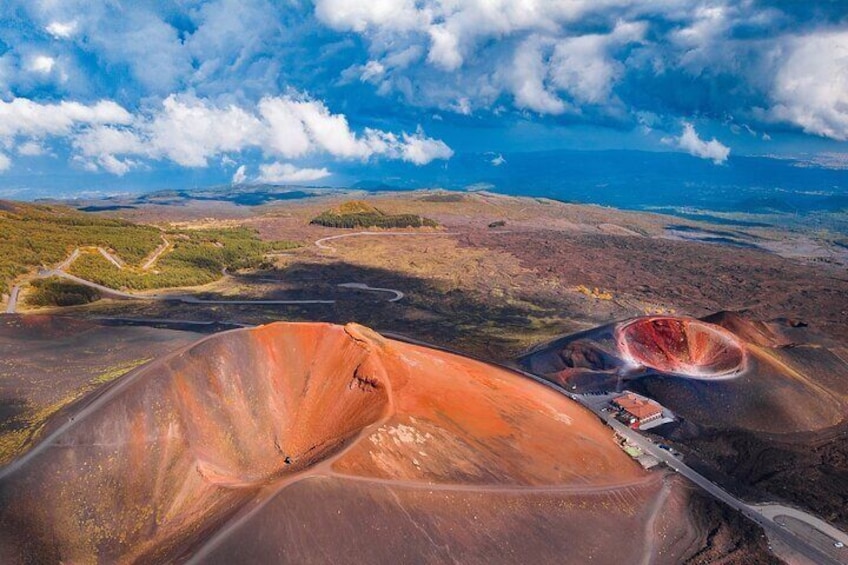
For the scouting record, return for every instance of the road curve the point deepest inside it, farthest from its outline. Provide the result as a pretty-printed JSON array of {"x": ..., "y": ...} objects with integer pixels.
[
  {"x": 172, "y": 297},
  {"x": 151, "y": 260},
  {"x": 111, "y": 258},
  {"x": 772, "y": 511},
  {"x": 320, "y": 242},
  {"x": 362, "y": 286}
]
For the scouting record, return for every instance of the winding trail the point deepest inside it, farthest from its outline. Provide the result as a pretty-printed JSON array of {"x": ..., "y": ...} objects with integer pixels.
[
  {"x": 111, "y": 258},
  {"x": 12, "y": 305},
  {"x": 321, "y": 242},
  {"x": 153, "y": 257},
  {"x": 186, "y": 299},
  {"x": 650, "y": 525},
  {"x": 67, "y": 262},
  {"x": 362, "y": 286}
]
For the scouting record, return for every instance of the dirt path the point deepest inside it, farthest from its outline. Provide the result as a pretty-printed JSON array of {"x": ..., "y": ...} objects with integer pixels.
[
  {"x": 153, "y": 257},
  {"x": 650, "y": 525},
  {"x": 111, "y": 258},
  {"x": 321, "y": 242}
]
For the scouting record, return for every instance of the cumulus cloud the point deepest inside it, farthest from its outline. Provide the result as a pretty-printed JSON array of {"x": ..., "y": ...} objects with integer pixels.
[
  {"x": 690, "y": 142},
  {"x": 25, "y": 117},
  {"x": 240, "y": 175},
  {"x": 811, "y": 87},
  {"x": 62, "y": 30},
  {"x": 5, "y": 162},
  {"x": 190, "y": 131},
  {"x": 279, "y": 173},
  {"x": 42, "y": 64},
  {"x": 31, "y": 149},
  {"x": 196, "y": 81}
]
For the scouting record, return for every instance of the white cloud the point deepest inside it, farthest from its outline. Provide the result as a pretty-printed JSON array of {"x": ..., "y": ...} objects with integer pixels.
[
  {"x": 5, "y": 162},
  {"x": 498, "y": 160},
  {"x": 42, "y": 64},
  {"x": 582, "y": 65},
  {"x": 62, "y": 30},
  {"x": 25, "y": 117},
  {"x": 420, "y": 149},
  {"x": 240, "y": 175},
  {"x": 528, "y": 76},
  {"x": 278, "y": 173},
  {"x": 690, "y": 142},
  {"x": 31, "y": 149},
  {"x": 189, "y": 131},
  {"x": 811, "y": 87}
]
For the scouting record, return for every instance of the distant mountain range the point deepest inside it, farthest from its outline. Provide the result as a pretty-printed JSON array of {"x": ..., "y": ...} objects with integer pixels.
[{"x": 624, "y": 179}]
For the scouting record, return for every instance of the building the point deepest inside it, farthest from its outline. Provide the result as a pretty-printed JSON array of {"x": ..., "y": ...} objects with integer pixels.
[{"x": 637, "y": 410}]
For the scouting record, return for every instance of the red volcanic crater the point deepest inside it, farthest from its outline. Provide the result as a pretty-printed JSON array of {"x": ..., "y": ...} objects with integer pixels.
[{"x": 682, "y": 346}]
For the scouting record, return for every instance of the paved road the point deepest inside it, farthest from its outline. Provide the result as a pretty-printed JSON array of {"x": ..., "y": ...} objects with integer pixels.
[
  {"x": 172, "y": 297},
  {"x": 321, "y": 242},
  {"x": 765, "y": 519},
  {"x": 12, "y": 305},
  {"x": 772, "y": 511},
  {"x": 362, "y": 286}
]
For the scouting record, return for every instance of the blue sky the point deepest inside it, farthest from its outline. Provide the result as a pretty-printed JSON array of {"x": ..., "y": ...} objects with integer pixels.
[{"x": 100, "y": 93}]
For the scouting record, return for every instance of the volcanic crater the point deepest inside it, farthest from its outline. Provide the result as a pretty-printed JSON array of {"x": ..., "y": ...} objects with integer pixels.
[
  {"x": 682, "y": 346},
  {"x": 208, "y": 453}
]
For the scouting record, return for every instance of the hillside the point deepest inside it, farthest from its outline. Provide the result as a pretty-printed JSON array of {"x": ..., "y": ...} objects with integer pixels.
[
  {"x": 359, "y": 214},
  {"x": 317, "y": 437},
  {"x": 120, "y": 254},
  {"x": 32, "y": 236}
]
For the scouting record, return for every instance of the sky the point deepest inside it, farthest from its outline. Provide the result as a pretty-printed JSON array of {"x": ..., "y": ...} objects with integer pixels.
[{"x": 112, "y": 92}]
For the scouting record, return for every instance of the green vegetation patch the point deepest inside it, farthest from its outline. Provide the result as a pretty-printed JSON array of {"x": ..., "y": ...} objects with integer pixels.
[
  {"x": 358, "y": 214},
  {"x": 198, "y": 257},
  {"x": 32, "y": 236},
  {"x": 444, "y": 197},
  {"x": 58, "y": 292}
]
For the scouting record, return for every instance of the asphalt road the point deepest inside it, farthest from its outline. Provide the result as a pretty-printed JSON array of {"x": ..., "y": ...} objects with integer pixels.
[{"x": 765, "y": 519}]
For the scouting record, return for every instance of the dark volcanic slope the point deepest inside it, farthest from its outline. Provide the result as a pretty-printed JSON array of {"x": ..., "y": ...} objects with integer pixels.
[
  {"x": 763, "y": 405},
  {"x": 320, "y": 443},
  {"x": 743, "y": 375},
  {"x": 691, "y": 277}
]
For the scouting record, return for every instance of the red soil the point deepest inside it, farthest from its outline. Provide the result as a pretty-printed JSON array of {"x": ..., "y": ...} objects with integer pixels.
[
  {"x": 682, "y": 346},
  {"x": 157, "y": 465}
]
